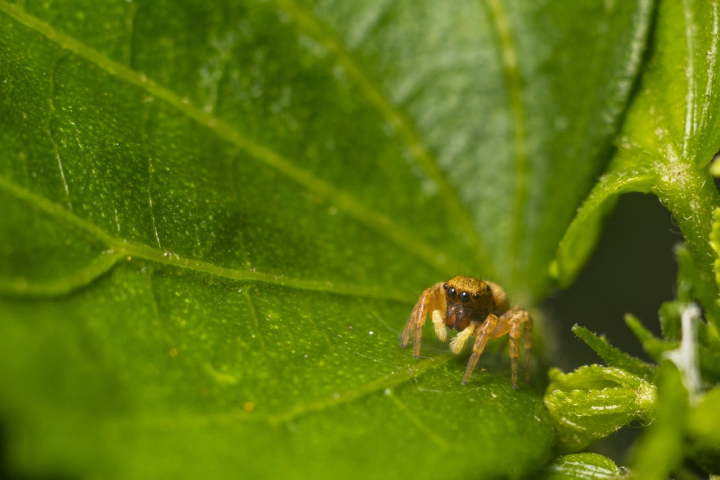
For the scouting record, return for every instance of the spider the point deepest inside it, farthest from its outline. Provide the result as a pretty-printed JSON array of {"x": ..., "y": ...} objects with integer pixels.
[{"x": 472, "y": 307}]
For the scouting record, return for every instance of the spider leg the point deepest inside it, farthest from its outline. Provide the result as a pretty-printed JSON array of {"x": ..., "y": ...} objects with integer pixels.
[
  {"x": 510, "y": 322},
  {"x": 514, "y": 351},
  {"x": 431, "y": 301},
  {"x": 527, "y": 341},
  {"x": 482, "y": 334}
]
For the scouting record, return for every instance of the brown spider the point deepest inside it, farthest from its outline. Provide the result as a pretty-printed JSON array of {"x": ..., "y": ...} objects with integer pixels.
[{"x": 472, "y": 307}]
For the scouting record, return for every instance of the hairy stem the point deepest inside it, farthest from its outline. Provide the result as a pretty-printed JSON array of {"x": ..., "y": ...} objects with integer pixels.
[{"x": 691, "y": 196}]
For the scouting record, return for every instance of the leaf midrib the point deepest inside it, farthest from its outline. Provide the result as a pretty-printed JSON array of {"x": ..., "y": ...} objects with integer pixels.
[
  {"x": 118, "y": 249},
  {"x": 513, "y": 80},
  {"x": 690, "y": 94}
]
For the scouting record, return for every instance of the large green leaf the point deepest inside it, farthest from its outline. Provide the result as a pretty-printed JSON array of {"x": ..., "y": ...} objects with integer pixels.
[
  {"x": 671, "y": 134},
  {"x": 217, "y": 217}
]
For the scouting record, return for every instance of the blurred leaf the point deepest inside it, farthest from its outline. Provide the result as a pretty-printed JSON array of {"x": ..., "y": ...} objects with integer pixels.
[
  {"x": 653, "y": 346},
  {"x": 593, "y": 401},
  {"x": 614, "y": 357},
  {"x": 219, "y": 215},
  {"x": 704, "y": 419},
  {"x": 656, "y": 347},
  {"x": 704, "y": 431},
  {"x": 586, "y": 466},
  {"x": 670, "y": 314},
  {"x": 691, "y": 285},
  {"x": 659, "y": 451},
  {"x": 671, "y": 134},
  {"x": 714, "y": 304},
  {"x": 715, "y": 243}
]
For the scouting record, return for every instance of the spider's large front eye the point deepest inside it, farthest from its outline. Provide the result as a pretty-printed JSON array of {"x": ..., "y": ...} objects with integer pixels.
[
  {"x": 464, "y": 297},
  {"x": 452, "y": 293}
]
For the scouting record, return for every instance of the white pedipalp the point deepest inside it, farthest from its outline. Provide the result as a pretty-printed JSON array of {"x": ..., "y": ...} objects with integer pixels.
[
  {"x": 457, "y": 343},
  {"x": 439, "y": 325}
]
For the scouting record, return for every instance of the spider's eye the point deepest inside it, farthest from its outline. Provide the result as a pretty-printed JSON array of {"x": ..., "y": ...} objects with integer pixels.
[
  {"x": 476, "y": 296},
  {"x": 464, "y": 297},
  {"x": 445, "y": 286},
  {"x": 487, "y": 287},
  {"x": 452, "y": 293}
]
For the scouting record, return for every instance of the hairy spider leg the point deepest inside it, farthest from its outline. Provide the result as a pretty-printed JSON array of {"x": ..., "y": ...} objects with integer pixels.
[
  {"x": 527, "y": 344},
  {"x": 510, "y": 322},
  {"x": 482, "y": 335},
  {"x": 514, "y": 351},
  {"x": 431, "y": 301}
]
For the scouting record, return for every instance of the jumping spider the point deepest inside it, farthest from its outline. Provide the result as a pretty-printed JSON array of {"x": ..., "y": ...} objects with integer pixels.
[{"x": 472, "y": 307}]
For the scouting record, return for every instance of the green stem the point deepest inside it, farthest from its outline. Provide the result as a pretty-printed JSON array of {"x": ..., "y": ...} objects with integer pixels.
[{"x": 691, "y": 196}]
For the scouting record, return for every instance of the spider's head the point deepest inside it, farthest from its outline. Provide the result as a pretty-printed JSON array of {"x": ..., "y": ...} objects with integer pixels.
[{"x": 467, "y": 299}]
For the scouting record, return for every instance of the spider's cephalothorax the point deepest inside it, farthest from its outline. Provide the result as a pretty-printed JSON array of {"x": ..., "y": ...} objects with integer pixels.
[
  {"x": 474, "y": 308},
  {"x": 467, "y": 299}
]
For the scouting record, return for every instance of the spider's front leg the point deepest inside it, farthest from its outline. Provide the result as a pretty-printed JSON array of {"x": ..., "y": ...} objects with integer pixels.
[
  {"x": 431, "y": 301},
  {"x": 512, "y": 322},
  {"x": 482, "y": 335}
]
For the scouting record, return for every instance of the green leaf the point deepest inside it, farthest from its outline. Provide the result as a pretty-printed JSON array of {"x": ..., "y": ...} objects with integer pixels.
[
  {"x": 715, "y": 244},
  {"x": 704, "y": 431},
  {"x": 218, "y": 216},
  {"x": 709, "y": 355},
  {"x": 659, "y": 451},
  {"x": 583, "y": 466},
  {"x": 593, "y": 401},
  {"x": 670, "y": 135},
  {"x": 582, "y": 235},
  {"x": 614, "y": 357},
  {"x": 704, "y": 419},
  {"x": 690, "y": 286}
]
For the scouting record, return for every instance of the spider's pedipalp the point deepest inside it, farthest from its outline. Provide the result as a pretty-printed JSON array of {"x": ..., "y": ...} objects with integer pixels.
[
  {"x": 457, "y": 343},
  {"x": 439, "y": 324}
]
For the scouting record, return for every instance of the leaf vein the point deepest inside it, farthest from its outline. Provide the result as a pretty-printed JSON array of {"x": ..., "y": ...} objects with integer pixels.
[
  {"x": 253, "y": 314},
  {"x": 711, "y": 59},
  {"x": 65, "y": 285},
  {"x": 374, "y": 220},
  {"x": 434, "y": 437},
  {"x": 298, "y": 411},
  {"x": 48, "y": 131},
  {"x": 376, "y": 97},
  {"x": 513, "y": 80},
  {"x": 150, "y": 170},
  {"x": 119, "y": 248},
  {"x": 690, "y": 111}
]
